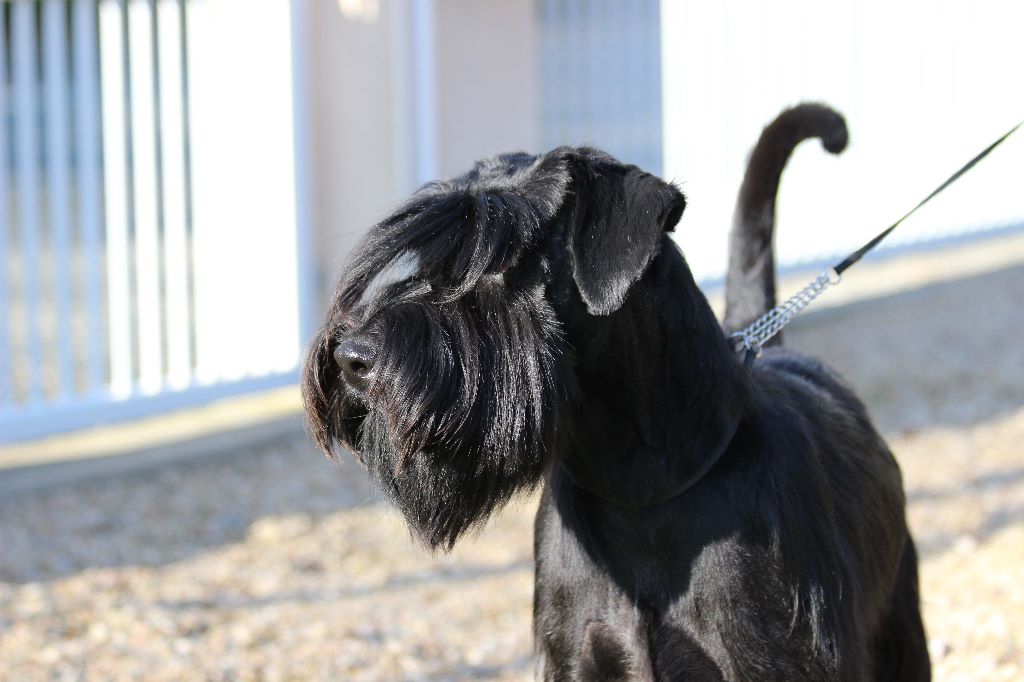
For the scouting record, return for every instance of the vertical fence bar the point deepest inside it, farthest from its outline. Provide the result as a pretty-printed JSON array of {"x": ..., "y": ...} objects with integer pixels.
[
  {"x": 6, "y": 395},
  {"x": 633, "y": 83},
  {"x": 545, "y": 24},
  {"x": 425, "y": 89},
  {"x": 23, "y": 63},
  {"x": 652, "y": 86},
  {"x": 564, "y": 87},
  {"x": 591, "y": 15},
  {"x": 172, "y": 153},
  {"x": 115, "y": 170},
  {"x": 300, "y": 11},
  {"x": 87, "y": 147},
  {"x": 617, "y": 104},
  {"x": 202, "y": 111},
  {"x": 401, "y": 91},
  {"x": 58, "y": 158},
  {"x": 186, "y": 106},
  {"x": 146, "y": 199},
  {"x": 576, "y": 72}
]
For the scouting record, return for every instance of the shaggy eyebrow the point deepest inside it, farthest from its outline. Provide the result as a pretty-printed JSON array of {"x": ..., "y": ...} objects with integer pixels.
[{"x": 405, "y": 265}]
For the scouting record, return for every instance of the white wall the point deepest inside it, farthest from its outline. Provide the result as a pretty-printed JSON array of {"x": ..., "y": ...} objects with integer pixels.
[
  {"x": 488, "y": 96},
  {"x": 924, "y": 86}
]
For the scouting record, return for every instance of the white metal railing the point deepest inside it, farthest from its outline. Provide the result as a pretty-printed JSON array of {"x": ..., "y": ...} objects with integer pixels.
[
  {"x": 6, "y": 383},
  {"x": 149, "y": 256}
]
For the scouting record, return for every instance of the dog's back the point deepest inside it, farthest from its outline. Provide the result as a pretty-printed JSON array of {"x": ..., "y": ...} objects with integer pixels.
[{"x": 857, "y": 463}]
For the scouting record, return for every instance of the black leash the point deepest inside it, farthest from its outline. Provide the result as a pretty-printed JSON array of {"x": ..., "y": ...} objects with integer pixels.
[
  {"x": 859, "y": 253},
  {"x": 752, "y": 339}
]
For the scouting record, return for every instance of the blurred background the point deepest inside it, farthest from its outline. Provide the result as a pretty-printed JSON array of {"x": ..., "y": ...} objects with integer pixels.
[{"x": 181, "y": 180}]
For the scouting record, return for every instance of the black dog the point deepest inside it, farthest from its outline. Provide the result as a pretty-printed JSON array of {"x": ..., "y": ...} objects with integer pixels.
[{"x": 531, "y": 321}]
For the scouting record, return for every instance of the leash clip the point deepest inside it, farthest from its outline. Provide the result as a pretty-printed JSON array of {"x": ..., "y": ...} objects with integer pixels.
[{"x": 746, "y": 344}]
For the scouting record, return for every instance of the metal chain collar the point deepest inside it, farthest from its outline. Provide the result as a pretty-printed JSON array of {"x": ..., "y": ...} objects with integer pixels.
[{"x": 761, "y": 330}]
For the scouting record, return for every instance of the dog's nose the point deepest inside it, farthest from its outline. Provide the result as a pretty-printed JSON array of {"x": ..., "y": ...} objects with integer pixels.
[{"x": 355, "y": 359}]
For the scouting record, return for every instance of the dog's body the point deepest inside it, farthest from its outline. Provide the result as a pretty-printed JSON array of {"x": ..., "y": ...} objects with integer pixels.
[{"x": 699, "y": 520}]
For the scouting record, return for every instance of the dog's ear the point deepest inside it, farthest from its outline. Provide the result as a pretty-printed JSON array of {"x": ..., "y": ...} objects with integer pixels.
[{"x": 619, "y": 213}]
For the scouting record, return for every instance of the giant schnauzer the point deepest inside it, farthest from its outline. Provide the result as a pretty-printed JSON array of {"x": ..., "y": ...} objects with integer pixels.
[{"x": 532, "y": 323}]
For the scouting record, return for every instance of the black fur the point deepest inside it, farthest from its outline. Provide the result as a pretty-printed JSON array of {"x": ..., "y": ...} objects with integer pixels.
[
  {"x": 698, "y": 520},
  {"x": 750, "y": 282}
]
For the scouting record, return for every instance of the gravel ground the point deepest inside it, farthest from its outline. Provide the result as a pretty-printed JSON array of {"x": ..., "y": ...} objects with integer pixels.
[{"x": 278, "y": 565}]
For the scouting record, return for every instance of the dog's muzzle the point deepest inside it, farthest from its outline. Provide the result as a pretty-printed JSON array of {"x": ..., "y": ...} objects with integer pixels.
[{"x": 355, "y": 359}]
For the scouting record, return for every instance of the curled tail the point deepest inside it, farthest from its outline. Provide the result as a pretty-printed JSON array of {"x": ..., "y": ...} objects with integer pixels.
[{"x": 750, "y": 282}]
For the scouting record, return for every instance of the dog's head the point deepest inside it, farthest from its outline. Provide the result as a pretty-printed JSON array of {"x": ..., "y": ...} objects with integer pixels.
[{"x": 443, "y": 363}]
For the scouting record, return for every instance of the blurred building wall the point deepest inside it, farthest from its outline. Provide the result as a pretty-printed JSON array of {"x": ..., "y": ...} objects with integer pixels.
[
  {"x": 354, "y": 177},
  {"x": 923, "y": 86},
  {"x": 366, "y": 119},
  {"x": 488, "y": 97}
]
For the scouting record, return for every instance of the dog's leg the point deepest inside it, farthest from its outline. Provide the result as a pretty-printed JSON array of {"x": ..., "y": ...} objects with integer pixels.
[
  {"x": 901, "y": 650},
  {"x": 607, "y": 657}
]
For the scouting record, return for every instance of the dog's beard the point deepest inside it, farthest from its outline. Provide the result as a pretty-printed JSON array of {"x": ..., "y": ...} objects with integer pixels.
[{"x": 457, "y": 417}]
